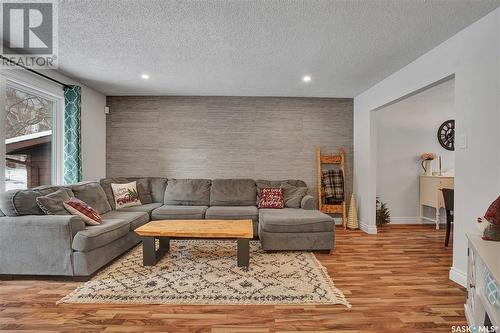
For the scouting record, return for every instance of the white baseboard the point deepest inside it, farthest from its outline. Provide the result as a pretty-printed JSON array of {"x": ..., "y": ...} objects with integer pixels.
[
  {"x": 369, "y": 229},
  {"x": 411, "y": 220},
  {"x": 405, "y": 220},
  {"x": 458, "y": 276},
  {"x": 468, "y": 315}
]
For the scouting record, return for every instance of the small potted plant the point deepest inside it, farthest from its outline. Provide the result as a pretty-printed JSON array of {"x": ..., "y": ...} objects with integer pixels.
[
  {"x": 383, "y": 215},
  {"x": 426, "y": 162}
]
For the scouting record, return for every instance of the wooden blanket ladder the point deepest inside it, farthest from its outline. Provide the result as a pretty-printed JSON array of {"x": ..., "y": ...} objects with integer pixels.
[{"x": 336, "y": 160}]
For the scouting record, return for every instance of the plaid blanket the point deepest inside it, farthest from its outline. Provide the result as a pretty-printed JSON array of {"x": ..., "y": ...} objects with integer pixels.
[{"x": 332, "y": 182}]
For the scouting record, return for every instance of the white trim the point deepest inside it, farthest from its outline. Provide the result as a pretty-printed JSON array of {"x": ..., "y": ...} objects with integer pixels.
[
  {"x": 468, "y": 315},
  {"x": 28, "y": 137},
  {"x": 29, "y": 83},
  {"x": 412, "y": 220},
  {"x": 369, "y": 229},
  {"x": 458, "y": 276},
  {"x": 2, "y": 133},
  {"x": 58, "y": 143},
  {"x": 405, "y": 220}
]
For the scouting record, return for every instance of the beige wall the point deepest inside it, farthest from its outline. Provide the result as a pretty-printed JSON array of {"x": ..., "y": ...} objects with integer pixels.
[{"x": 226, "y": 137}]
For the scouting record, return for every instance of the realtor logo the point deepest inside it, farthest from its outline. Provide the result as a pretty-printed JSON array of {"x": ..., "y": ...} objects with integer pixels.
[{"x": 29, "y": 33}]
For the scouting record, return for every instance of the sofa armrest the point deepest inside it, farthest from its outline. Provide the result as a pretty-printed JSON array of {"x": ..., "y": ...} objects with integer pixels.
[
  {"x": 308, "y": 202},
  {"x": 38, "y": 244}
]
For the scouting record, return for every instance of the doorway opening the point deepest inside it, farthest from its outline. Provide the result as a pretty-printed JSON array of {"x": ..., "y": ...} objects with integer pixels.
[{"x": 415, "y": 156}]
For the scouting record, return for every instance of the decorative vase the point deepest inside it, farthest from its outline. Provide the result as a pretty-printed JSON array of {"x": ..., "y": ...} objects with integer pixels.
[
  {"x": 427, "y": 166},
  {"x": 352, "y": 220}
]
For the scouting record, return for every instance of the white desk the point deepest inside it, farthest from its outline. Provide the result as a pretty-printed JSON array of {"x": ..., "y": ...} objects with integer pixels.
[{"x": 430, "y": 194}]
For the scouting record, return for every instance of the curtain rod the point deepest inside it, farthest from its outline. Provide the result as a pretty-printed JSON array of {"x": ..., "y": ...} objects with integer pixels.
[{"x": 35, "y": 72}]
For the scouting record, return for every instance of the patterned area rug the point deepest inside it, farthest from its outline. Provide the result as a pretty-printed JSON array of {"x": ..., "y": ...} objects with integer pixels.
[{"x": 205, "y": 272}]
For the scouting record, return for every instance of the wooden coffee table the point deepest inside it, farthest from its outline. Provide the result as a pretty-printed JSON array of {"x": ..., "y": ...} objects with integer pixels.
[{"x": 241, "y": 230}]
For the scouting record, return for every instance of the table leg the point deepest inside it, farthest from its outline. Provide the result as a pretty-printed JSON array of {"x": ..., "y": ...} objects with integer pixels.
[
  {"x": 243, "y": 252},
  {"x": 150, "y": 255},
  {"x": 421, "y": 208}
]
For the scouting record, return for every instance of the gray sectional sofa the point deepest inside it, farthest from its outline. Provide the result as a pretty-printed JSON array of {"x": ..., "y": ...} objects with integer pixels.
[{"x": 32, "y": 243}]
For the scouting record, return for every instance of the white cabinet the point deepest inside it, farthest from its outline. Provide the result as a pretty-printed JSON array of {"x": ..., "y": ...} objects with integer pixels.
[
  {"x": 431, "y": 195},
  {"x": 483, "y": 274}
]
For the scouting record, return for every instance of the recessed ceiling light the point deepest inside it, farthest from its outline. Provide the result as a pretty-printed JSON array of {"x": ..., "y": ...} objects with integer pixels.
[
  {"x": 306, "y": 78},
  {"x": 145, "y": 76}
]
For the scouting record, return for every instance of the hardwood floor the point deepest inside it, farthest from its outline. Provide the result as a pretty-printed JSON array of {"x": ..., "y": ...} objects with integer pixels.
[{"x": 396, "y": 281}]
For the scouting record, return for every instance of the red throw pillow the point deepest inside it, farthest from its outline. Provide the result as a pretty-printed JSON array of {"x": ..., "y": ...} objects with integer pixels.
[
  {"x": 271, "y": 198},
  {"x": 493, "y": 213},
  {"x": 88, "y": 214}
]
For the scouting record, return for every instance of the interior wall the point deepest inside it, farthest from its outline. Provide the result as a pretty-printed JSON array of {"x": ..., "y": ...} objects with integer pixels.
[
  {"x": 93, "y": 129},
  {"x": 226, "y": 137},
  {"x": 404, "y": 130},
  {"x": 93, "y": 119},
  {"x": 473, "y": 57}
]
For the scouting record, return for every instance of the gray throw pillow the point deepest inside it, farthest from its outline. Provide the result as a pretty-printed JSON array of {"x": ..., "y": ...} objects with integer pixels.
[
  {"x": 143, "y": 189},
  {"x": 293, "y": 195},
  {"x": 52, "y": 204}
]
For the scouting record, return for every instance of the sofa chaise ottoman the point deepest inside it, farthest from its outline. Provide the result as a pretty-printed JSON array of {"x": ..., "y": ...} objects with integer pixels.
[{"x": 295, "y": 229}]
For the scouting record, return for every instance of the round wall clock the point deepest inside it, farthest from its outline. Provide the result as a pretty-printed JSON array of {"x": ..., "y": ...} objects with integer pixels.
[{"x": 446, "y": 134}]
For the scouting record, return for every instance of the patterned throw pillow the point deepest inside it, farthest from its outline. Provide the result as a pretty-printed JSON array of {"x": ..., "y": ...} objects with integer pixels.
[
  {"x": 271, "y": 198},
  {"x": 493, "y": 213},
  {"x": 88, "y": 214},
  {"x": 126, "y": 195}
]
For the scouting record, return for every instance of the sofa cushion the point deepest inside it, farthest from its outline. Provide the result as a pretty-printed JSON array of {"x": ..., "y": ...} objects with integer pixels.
[
  {"x": 136, "y": 218},
  {"x": 158, "y": 186},
  {"x": 189, "y": 192},
  {"x": 233, "y": 192},
  {"x": 232, "y": 212},
  {"x": 294, "y": 220},
  {"x": 114, "y": 226},
  {"x": 143, "y": 189},
  {"x": 148, "y": 208},
  {"x": 93, "y": 195},
  {"x": 179, "y": 212},
  {"x": 23, "y": 202},
  {"x": 52, "y": 203}
]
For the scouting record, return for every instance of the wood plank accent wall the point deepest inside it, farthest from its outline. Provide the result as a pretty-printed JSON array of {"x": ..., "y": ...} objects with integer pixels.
[{"x": 226, "y": 137}]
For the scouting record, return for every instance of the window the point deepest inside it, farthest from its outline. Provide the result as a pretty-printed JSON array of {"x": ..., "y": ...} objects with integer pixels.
[{"x": 29, "y": 128}]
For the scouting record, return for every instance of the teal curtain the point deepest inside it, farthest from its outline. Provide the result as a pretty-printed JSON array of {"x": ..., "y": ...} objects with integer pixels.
[{"x": 72, "y": 135}]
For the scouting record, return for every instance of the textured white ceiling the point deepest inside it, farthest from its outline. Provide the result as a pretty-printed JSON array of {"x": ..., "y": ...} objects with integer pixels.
[{"x": 251, "y": 48}]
